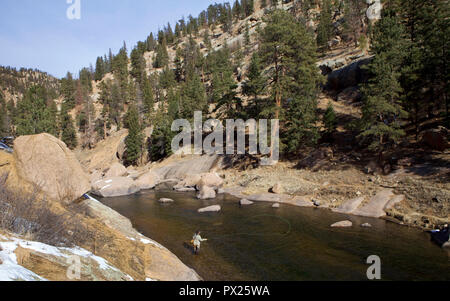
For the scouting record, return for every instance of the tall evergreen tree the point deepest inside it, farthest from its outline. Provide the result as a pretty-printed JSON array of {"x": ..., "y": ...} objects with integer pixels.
[
  {"x": 36, "y": 114},
  {"x": 68, "y": 132},
  {"x": 99, "y": 69},
  {"x": 68, "y": 91},
  {"x": 134, "y": 141},
  {"x": 294, "y": 79},
  {"x": 382, "y": 110},
  {"x": 329, "y": 119},
  {"x": 325, "y": 27},
  {"x": 255, "y": 84}
]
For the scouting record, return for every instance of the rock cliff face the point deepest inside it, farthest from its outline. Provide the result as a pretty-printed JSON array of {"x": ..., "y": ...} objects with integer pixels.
[{"x": 46, "y": 162}]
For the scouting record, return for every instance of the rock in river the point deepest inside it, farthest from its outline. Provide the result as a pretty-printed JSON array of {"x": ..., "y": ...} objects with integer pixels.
[
  {"x": 343, "y": 224},
  {"x": 245, "y": 202},
  {"x": 215, "y": 208},
  {"x": 206, "y": 193},
  {"x": 165, "y": 201}
]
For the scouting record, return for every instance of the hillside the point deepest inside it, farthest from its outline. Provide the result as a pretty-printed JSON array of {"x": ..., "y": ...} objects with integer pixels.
[{"x": 14, "y": 83}]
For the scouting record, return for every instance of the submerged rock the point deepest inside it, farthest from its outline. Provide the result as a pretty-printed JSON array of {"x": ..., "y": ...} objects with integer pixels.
[
  {"x": 342, "y": 224},
  {"x": 245, "y": 202},
  {"x": 215, "y": 208},
  {"x": 366, "y": 225},
  {"x": 165, "y": 200},
  {"x": 276, "y": 205}
]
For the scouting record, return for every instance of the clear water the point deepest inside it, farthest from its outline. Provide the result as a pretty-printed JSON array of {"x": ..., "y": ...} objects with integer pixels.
[{"x": 259, "y": 242}]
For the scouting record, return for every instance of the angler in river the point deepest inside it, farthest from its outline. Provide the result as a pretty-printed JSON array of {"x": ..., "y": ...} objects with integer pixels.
[{"x": 196, "y": 241}]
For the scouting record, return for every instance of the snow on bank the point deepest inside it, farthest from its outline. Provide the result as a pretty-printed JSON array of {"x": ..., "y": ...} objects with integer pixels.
[{"x": 10, "y": 270}]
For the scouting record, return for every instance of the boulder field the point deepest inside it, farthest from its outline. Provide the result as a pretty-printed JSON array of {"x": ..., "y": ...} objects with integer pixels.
[{"x": 43, "y": 164}]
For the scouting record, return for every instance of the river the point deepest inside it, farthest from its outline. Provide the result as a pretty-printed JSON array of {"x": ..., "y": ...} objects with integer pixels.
[{"x": 259, "y": 242}]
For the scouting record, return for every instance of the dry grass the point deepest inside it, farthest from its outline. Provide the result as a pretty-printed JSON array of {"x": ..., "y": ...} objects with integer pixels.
[{"x": 32, "y": 216}]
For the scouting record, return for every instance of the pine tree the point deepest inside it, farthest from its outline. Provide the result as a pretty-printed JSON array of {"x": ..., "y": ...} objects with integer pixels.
[
  {"x": 68, "y": 132},
  {"x": 137, "y": 65},
  {"x": 254, "y": 86},
  {"x": 99, "y": 69},
  {"x": 382, "y": 110},
  {"x": 134, "y": 141},
  {"x": 3, "y": 117},
  {"x": 329, "y": 119},
  {"x": 354, "y": 19},
  {"x": 148, "y": 99},
  {"x": 288, "y": 48},
  {"x": 162, "y": 57},
  {"x": 193, "y": 96},
  {"x": 36, "y": 114},
  {"x": 325, "y": 27},
  {"x": 68, "y": 91}
]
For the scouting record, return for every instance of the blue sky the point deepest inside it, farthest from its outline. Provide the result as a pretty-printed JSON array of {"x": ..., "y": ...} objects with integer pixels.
[{"x": 38, "y": 34}]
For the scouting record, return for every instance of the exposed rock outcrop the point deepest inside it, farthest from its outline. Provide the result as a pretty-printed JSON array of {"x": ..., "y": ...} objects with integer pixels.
[
  {"x": 116, "y": 186},
  {"x": 105, "y": 153},
  {"x": 46, "y": 162},
  {"x": 348, "y": 76},
  {"x": 116, "y": 170},
  {"x": 147, "y": 181}
]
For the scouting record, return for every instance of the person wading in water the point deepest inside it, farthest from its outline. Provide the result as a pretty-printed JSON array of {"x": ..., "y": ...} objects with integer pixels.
[{"x": 196, "y": 241}]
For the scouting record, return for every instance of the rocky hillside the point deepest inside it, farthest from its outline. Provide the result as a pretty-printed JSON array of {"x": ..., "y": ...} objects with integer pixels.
[{"x": 14, "y": 83}]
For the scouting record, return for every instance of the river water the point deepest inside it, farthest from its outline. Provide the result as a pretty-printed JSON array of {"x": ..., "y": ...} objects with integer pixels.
[{"x": 259, "y": 242}]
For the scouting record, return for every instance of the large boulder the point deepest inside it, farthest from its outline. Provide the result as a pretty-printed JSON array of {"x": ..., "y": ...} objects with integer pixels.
[
  {"x": 116, "y": 186},
  {"x": 374, "y": 11},
  {"x": 277, "y": 189},
  {"x": 148, "y": 180},
  {"x": 116, "y": 170},
  {"x": 105, "y": 153},
  {"x": 46, "y": 162},
  {"x": 348, "y": 76},
  {"x": 212, "y": 180},
  {"x": 191, "y": 181},
  {"x": 436, "y": 139},
  {"x": 206, "y": 192}
]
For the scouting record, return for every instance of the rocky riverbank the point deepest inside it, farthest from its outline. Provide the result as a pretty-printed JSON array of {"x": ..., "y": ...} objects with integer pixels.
[
  {"x": 43, "y": 172},
  {"x": 415, "y": 192}
]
